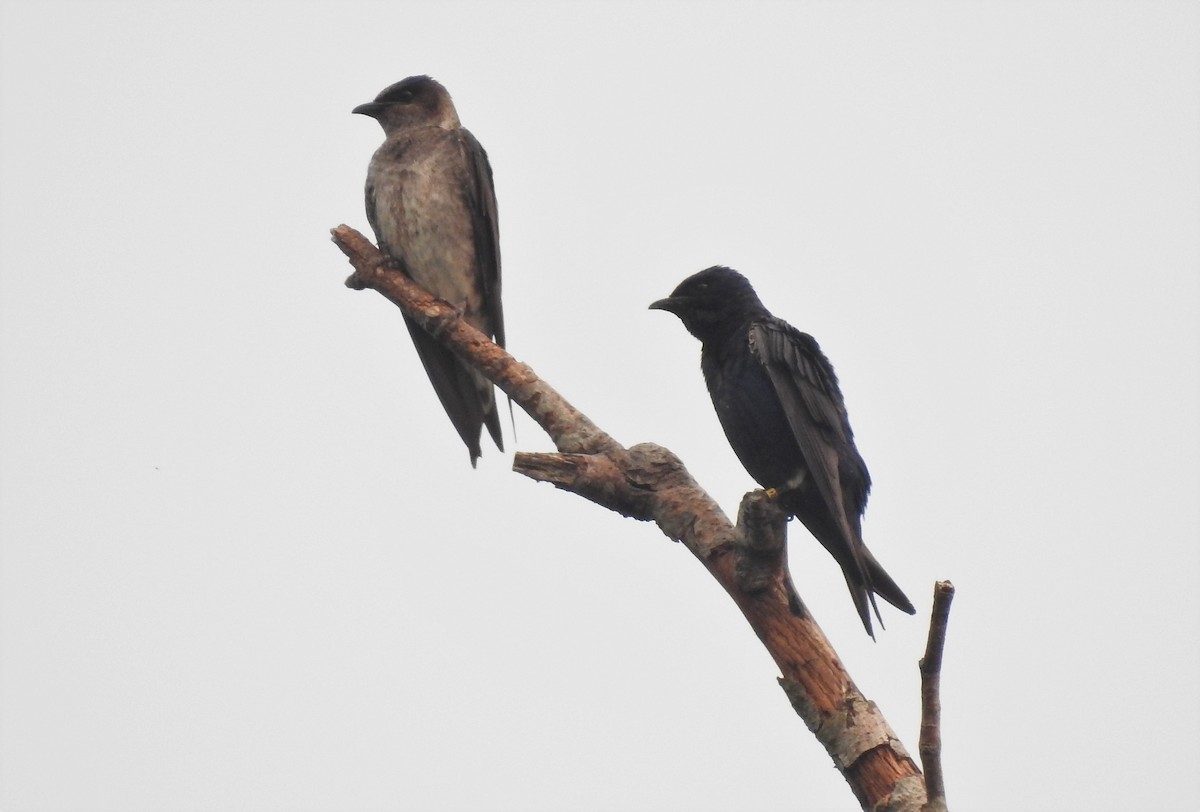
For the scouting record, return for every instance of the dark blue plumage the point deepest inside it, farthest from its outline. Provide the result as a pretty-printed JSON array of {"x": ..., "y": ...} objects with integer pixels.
[{"x": 777, "y": 398}]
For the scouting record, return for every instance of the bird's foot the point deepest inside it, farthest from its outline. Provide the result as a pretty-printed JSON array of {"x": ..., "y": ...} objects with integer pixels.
[
  {"x": 792, "y": 484},
  {"x": 391, "y": 264}
]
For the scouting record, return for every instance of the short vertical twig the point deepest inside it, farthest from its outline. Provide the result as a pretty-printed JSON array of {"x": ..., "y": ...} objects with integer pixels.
[{"x": 930, "y": 744}]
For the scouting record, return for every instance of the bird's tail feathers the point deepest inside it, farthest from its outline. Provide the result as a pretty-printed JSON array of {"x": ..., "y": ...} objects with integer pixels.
[
  {"x": 864, "y": 601},
  {"x": 491, "y": 418},
  {"x": 866, "y": 579},
  {"x": 512, "y": 419},
  {"x": 882, "y": 584},
  {"x": 468, "y": 405}
]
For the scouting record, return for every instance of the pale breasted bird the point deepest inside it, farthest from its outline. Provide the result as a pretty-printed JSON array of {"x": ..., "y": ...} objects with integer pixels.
[{"x": 432, "y": 205}]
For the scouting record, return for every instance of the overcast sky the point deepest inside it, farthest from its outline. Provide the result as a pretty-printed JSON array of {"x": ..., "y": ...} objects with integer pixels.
[{"x": 245, "y": 563}]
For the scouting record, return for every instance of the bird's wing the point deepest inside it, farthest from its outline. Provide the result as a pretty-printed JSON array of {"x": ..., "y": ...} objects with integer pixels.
[
  {"x": 455, "y": 387},
  {"x": 808, "y": 391},
  {"x": 481, "y": 201},
  {"x": 372, "y": 216}
]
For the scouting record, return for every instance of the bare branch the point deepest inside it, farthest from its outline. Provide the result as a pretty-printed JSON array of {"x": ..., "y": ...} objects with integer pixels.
[
  {"x": 649, "y": 483},
  {"x": 930, "y": 744},
  {"x": 570, "y": 429}
]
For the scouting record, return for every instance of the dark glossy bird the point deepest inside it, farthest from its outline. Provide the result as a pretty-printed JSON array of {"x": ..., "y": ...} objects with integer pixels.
[
  {"x": 431, "y": 203},
  {"x": 778, "y": 400}
]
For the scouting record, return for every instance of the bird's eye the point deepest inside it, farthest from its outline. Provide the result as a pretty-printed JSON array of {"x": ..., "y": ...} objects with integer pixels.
[{"x": 403, "y": 96}]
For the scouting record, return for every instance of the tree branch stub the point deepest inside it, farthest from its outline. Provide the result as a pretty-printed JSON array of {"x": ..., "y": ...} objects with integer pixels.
[{"x": 930, "y": 744}]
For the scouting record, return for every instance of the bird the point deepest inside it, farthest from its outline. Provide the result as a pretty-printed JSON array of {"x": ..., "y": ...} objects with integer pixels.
[
  {"x": 778, "y": 400},
  {"x": 431, "y": 202}
]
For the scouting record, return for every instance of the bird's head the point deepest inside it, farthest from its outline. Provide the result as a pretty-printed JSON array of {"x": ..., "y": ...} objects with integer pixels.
[
  {"x": 712, "y": 302},
  {"x": 416, "y": 101}
]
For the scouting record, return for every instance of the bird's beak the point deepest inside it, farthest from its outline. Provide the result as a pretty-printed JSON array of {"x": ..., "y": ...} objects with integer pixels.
[
  {"x": 668, "y": 304},
  {"x": 369, "y": 109}
]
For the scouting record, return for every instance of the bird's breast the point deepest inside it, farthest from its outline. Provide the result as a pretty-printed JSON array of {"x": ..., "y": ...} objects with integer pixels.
[
  {"x": 423, "y": 218},
  {"x": 751, "y": 415}
]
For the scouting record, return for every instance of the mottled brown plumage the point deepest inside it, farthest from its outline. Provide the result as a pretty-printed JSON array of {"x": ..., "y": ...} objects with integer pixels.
[{"x": 431, "y": 203}]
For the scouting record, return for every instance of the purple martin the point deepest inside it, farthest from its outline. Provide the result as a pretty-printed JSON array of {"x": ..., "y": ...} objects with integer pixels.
[
  {"x": 778, "y": 400},
  {"x": 431, "y": 203}
]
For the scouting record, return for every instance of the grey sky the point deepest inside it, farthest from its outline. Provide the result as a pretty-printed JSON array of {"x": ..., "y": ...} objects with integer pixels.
[{"x": 245, "y": 564}]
